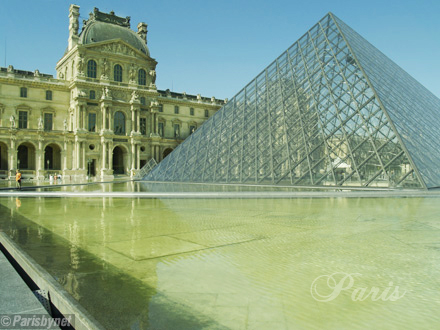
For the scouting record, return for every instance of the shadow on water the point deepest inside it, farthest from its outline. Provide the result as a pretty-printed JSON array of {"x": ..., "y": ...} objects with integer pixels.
[{"x": 114, "y": 298}]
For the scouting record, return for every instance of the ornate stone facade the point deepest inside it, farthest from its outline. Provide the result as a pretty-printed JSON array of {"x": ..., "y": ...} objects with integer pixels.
[{"x": 103, "y": 115}]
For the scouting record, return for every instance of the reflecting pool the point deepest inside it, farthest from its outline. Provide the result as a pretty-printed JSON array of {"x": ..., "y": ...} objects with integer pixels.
[{"x": 238, "y": 263}]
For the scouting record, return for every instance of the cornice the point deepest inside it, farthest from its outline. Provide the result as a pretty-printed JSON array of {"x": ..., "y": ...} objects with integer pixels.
[
  {"x": 54, "y": 84},
  {"x": 195, "y": 104}
]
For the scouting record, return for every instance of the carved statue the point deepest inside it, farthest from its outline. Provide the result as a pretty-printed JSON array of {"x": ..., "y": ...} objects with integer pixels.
[
  {"x": 82, "y": 93},
  {"x": 12, "y": 120},
  {"x": 134, "y": 97},
  {"x": 80, "y": 64},
  {"x": 106, "y": 93},
  {"x": 153, "y": 76},
  {"x": 132, "y": 73},
  {"x": 40, "y": 123},
  {"x": 105, "y": 68},
  {"x": 10, "y": 68},
  {"x": 37, "y": 73},
  {"x": 65, "y": 125}
]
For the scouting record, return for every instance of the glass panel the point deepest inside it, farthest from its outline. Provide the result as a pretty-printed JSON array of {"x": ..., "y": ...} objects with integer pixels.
[
  {"x": 143, "y": 125},
  {"x": 92, "y": 122},
  {"x": 142, "y": 77},
  {"x": 310, "y": 118},
  {"x": 91, "y": 69}
]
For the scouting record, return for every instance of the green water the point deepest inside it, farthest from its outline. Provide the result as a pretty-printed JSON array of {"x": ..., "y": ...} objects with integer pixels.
[{"x": 238, "y": 263}]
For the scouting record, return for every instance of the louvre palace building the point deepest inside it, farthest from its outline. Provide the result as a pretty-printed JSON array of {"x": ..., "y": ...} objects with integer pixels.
[{"x": 102, "y": 115}]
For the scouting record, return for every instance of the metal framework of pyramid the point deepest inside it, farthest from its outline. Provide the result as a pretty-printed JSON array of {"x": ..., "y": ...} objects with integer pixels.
[{"x": 332, "y": 110}]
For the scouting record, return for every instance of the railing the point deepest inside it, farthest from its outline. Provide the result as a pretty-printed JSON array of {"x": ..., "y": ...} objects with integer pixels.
[{"x": 147, "y": 168}]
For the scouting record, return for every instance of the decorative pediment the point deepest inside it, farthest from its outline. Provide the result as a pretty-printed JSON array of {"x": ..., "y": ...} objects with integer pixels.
[
  {"x": 118, "y": 47},
  {"x": 48, "y": 110}
]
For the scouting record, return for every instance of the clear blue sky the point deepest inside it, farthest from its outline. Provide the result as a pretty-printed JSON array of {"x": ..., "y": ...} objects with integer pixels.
[{"x": 216, "y": 47}]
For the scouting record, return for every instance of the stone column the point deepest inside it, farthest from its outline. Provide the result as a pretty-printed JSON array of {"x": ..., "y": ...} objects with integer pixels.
[
  {"x": 138, "y": 161},
  {"x": 77, "y": 156},
  {"x": 109, "y": 119},
  {"x": 84, "y": 117},
  {"x": 133, "y": 120},
  {"x": 156, "y": 123},
  {"x": 83, "y": 147},
  {"x": 77, "y": 117},
  {"x": 64, "y": 160},
  {"x": 103, "y": 118},
  {"x": 110, "y": 157},
  {"x": 133, "y": 156},
  {"x": 138, "y": 120},
  {"x": 13, "y": 154},
  {"x": 40, "y": 159},
  {"x": 104, "y": 155},
  {"x": 64, "y": 156}
]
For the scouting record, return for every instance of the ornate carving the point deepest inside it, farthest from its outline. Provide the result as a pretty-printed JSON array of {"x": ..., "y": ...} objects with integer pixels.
[
  {"x": 73, "y": 19},
  {"x": 132, "y": 73},
  {"x": 118, "y": 48},
  {"x": 134, "y": 97},
  {"x": 142, "y": 31},
  {"x": 106, "y": 93},
  {"x": 152, "y": 74},
  {"x": 40, "y": 123},
  {"x": 80, "y": 65},
  {"x": 12, "y": 121},
  {"x": 105, "y": 69}
]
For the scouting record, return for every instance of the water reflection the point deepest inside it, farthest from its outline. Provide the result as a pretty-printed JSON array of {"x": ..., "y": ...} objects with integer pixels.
[{"x": 236, "y": 264}]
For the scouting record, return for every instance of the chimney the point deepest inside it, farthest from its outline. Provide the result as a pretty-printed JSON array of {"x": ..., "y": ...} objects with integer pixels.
[
  {"x": 142, "y": 31},
  {"x": 73, "y": 26}
]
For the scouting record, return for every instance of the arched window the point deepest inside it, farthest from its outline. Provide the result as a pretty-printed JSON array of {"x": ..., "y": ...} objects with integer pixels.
[
  {"x": 91, "y": 69},
  {"x": 142, "y": 77},
  {"x": 119, "y": 123},
  {"x": 117, "y": 73}
]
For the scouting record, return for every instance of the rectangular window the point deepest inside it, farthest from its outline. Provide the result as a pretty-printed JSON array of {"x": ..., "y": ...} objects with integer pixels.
[
  {"x": 160, "y": 129},
  {"x": 49, "y": 95},
  {"x": 177, "y": 131},
  {"x": 47, "y": 121},
  {"x": 22, "y": 119},
  {"x": 92, "y": 122},
  {"x": 23, "y": 92},
  {"x": 143, "y": 125},
  {"x": 191, "y": 111},
  {"x": 192, "y": 129},
  {"x": 176, "y": 109},
  {"x": 206, "y": 113},
  {"x": 161, "y": 108},
  {"x": 92, "y": 95}
]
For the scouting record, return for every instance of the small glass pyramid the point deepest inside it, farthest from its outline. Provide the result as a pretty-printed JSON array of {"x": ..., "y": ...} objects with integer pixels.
[{"x": 332, "y": 110}]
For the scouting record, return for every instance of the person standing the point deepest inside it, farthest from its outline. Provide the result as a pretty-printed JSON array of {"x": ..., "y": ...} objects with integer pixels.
[{"x": 18, "y": 179}]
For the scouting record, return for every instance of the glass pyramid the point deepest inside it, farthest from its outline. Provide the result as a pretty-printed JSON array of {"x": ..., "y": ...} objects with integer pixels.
[{"x": 332, "y": 110}]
